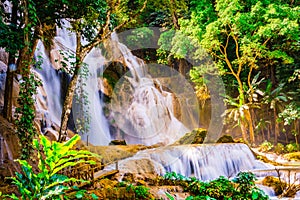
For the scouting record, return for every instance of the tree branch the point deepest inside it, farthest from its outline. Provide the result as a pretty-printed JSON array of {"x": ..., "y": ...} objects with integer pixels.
[{"x": 102, "y": 35}]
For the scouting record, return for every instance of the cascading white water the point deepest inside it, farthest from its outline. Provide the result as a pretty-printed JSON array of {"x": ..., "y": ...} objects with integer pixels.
[
  {"x": 49, "y": 96},
  {"x": 206, "y": 162},
  {"x": 145, "y": 115},
  {"x": 98, "y": 131}
]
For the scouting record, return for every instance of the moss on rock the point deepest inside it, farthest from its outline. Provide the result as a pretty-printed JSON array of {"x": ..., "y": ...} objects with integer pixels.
[
  {"x": 225, "y": 139},
  {"x": 274, "y": 182},
  {"x": 197, "y": 136}
]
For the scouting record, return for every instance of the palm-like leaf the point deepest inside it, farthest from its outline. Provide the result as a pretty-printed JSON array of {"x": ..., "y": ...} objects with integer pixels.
[{"x": 53, "y": 157}]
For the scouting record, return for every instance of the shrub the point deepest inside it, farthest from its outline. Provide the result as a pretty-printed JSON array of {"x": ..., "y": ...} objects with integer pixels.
[
  {"x": 52, "y": 158},
  {"x": 291, "y": 147},
  {"x": 279, "y": 148},
  {"x": 265, "y": 146},
  {"x": 242, "y": 187},
  {"x": 141, "y": 192}
]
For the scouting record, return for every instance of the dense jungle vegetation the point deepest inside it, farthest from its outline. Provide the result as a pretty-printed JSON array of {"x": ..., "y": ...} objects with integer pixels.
[{"x": 254, "y": 45}]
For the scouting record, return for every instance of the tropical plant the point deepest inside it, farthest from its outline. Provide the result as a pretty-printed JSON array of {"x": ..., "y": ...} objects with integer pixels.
[
  {"x": 241, "y": 187},
  {"x": 279, "y": 148},
  {"x": 291, "y": 116},
  {"x": 292, "y": 147},
  {"x": 265, "y": 146},
  {"x": 48, "y": 182},
  {"x": 140, "y": 191},
  {"x": 275, "y": 100}
]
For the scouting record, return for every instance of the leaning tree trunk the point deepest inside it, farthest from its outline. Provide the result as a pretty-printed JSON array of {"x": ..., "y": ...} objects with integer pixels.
[{"x": 68, "y": 101}]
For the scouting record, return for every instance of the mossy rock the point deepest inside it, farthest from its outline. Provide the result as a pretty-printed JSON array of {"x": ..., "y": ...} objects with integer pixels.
[
  {"x": 117, "y": 142},
  {"x": 197, "y": 136},
  {"x": 292, "y": 156},
  {"x": 274, "y": 182},
  {"x": 225, "y": 139},
  {"x": 240, "y": 140}
]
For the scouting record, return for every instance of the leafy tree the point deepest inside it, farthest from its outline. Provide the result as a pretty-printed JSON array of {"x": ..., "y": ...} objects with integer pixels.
[
  {"x": 241, "y": 35},
  {"x": 23, "y": 26},
  {"x": 290, "y": 116},
  {"x": 275, "y": 99}
]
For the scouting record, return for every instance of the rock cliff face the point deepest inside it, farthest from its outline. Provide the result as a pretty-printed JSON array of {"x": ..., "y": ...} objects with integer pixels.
[{"x": 9, "y": 150}]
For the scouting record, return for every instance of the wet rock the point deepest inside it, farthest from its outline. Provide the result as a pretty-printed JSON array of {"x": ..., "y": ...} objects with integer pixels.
[
  {"x": 197, "y": 136},
  {"x": 117, "y": 142},
  {"x": 128, "y": 177},
  {"x": 225, "y": 139},
  {"x": 274, "y": 182},
  {"x": 295, "y": 156}
]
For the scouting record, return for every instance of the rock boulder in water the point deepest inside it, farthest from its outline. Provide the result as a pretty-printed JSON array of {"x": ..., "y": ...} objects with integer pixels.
[
  {"x": 197, "y": 136},
  {"x": 225, "y": 139},
  {"x": 274, "y": 183}
]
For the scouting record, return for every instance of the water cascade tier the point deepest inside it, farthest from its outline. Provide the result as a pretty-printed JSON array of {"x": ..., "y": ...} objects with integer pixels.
[{"x": 205, "y": 161}]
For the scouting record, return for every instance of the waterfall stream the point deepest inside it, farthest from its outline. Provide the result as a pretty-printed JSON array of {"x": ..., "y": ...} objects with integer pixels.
[
  {"x": 206, "y": 161},
  {"x": 145, "y": 116}
]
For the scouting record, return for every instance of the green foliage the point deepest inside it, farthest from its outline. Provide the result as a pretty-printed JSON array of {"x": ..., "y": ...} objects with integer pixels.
[
  {"x": 266, "y": 146},
  {"x": 279, "y": 148},
  {"x": 175, "y": 176},
  {"x": 140, "y": 38},
  {"x": 292, "y": 147},
  {"x": 25, "y": 114},
  {"x": 169, "y": 196},
  {"x": 290, "y": 114},
  {"x": 141, "y": 192},
  {"x": 241, "y": 187},
  {"x": 53, "y": 157}
]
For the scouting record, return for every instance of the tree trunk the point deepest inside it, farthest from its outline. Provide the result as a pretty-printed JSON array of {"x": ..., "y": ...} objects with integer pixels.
[
  {"x": 269, "y": 132},
  {"x": 182, "y": 67},
  {"x": 276, "y": 128},
  {"x": 262, "y": 133},
  {"x": 244, "y": 132},
  {"x": 174, "y": 15},
  {"x": 296, "y": 134},
  {"x": 7, "y": 109},
  {"x": 68, "y": 102},
  {"x": 250, "y": 125}
]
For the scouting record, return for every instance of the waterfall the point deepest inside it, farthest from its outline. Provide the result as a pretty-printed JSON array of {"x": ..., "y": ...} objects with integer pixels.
[
  {"x": 145, "y": 116},
  {"x": 140, "y": 108},
  {"x": 98, "y": 131},
  {"x": 49, "y": 98},
  {"x": 49, "y": 95},
  {"x": 206, "y": 161}
]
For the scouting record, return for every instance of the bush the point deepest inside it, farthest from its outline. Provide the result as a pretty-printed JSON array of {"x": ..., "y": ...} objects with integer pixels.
[
  {"x": 265, "y": 146},
  {"x": 141, "y": 192},
  {"x": 279, "y": 148},
  {"x": 53, "y": 157},
  {"x": 242, "y": 187},
  {"x": 291, "y": 147}
]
